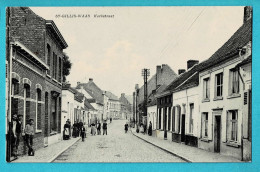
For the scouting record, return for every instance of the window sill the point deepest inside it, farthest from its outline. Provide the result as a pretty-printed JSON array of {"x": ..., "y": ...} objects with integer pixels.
[
  {"x": 55, "y": 80},
  {"x": 233, "y": 144},
  {"x": 205, "y": 100},
  {"x": 218, "y": 98},
  {"x": 205, "y": 139},
  {"x": 53, "y": 133},
  {"x": 38, "y": 131},
  {"x": 234, "y": 96}
]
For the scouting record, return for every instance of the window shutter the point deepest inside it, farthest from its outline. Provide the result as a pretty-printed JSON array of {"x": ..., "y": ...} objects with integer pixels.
[
  {"x": 210, "y": 126},
  {"x": 228, "y": 126}
]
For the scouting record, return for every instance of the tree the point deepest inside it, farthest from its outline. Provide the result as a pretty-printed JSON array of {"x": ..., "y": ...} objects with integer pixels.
[{"x": 66, "y": 67}]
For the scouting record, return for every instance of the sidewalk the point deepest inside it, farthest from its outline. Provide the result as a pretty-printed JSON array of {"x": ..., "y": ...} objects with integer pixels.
[
  {"x": 187, "y": 153},
  {"x": 49, "y": 153}
]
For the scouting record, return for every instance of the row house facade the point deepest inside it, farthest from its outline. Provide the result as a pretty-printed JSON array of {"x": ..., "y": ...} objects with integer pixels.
[
  {"x": 97, "y": 98},
  {"x": 164, "y": 76},
  {"x": 113, "y": 105},
  {"x": 125, "y": 107},
  {"x": 35, "y": 55},
  {"x": 75, "y": 107},
  {"x": 209, "y": 106},
  {"x": 34, "y": 71}
]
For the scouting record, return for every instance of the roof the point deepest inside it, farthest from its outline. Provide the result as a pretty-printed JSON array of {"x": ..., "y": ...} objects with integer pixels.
[
  {"x": 93, "y": 90},
  {"x": 152, "y": 100},
  {"x": 167, "y": 76},
  {"x": 111, "y": 96},
  {"x": 78, "y": 96},
  {"x": 54, "y": 30},
  {"x": 88, "y": 106},
  {"x": 226, "y": 52},
  {"x": 129, "y": 98}
]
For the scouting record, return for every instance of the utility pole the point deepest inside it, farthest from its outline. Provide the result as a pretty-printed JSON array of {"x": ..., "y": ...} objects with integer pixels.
[{"x": 145, "y": 74}]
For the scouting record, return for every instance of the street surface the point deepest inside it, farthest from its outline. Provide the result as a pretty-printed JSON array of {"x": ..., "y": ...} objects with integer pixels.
[{"x": 117, "y": 146}]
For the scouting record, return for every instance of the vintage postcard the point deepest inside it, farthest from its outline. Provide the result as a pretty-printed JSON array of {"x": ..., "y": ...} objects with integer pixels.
[{"x": 129, "y": 84}]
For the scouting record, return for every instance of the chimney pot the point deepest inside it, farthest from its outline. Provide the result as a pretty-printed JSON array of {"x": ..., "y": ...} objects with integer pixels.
[
  {"x": 191, "y": 63},
  {"x": 91, "y": 79}
]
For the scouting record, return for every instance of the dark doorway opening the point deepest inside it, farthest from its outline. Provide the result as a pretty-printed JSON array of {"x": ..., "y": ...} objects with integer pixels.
[
  {"x": 183, "y": 128},
  {"x": 217, "y": 128}
]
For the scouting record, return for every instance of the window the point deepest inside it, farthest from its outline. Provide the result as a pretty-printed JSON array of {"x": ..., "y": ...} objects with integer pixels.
[
  {"x": 160, "y": 120},
  {"x": 234, "y": 81},
  {"x": 191, "y": 117},
  {"x": 38, "y": 110},
  {"x": 59, "y": 74},
  {"x": 14, "y": 100},
  {"x": 27, "y": 103},
  {"x": 53, "y": 114},
  {"x": 173, "y": 119},
  {"x": 232, "y": 125},
  {"x": 219, "y": 85},
  {"x": 54, "y": 72},
  {"x": 205, "y": 125},
  {"x": 169, "y": 118},
  {"x": 206, "y": 88},
  {"x": 48, "y": 57}
]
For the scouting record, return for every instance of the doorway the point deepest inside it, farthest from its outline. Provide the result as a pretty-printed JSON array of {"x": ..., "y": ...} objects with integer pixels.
[
  {"x": 217, "y": 131},
  {"x": 183, "y": 128}
]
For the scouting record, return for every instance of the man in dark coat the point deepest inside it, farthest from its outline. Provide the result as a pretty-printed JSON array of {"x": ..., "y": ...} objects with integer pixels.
[{"x": 105, "y": 128}]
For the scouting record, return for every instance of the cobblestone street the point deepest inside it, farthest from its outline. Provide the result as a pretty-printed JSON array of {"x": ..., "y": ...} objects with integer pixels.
[{"x": 115, "y": 147}]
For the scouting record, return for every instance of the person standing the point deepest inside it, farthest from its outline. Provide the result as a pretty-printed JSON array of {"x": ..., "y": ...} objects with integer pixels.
[
  {"x": 105, "y": 128},
  {"x": 98, "y": 128},
  {"x": 66, "y": 131},
  {"x": 110, "y": 119},
  {"x": 93, "y": 130},
  {"x": 29, "y": 133},
  {"x": 150, "y": 129},
  {"x": 83, "y": 133},
  {"x": 126, "y": 127}
]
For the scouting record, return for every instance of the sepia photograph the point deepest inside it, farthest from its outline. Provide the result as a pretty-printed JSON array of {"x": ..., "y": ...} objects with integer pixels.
[{"x": 128, "y": 84}]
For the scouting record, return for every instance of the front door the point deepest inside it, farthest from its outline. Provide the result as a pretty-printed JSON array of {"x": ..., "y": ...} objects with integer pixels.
[
  {"x": 217, "y": 133},
  {"x": 183, "y": 128}
]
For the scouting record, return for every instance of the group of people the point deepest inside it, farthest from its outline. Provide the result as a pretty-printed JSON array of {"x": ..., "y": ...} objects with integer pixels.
[
  {"x": 143, "y": 128},
  {"x": 78, "y": 129},
  {"x": 97, "y": 127},
  {"x": 17, "y": 132}
]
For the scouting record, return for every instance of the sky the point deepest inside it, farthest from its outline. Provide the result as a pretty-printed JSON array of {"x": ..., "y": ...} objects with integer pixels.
[{"x": 114, "y": 50}]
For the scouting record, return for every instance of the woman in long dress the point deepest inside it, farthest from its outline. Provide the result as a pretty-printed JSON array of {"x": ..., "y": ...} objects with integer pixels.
[
  {"x": 93, "y": 129},
  {"x": 66, "y": 131}
]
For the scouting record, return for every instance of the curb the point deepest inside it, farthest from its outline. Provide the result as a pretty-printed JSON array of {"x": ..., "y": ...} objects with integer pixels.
[
  {"x": 63, "y": 150},
  {"x": 174, "y": 154}
]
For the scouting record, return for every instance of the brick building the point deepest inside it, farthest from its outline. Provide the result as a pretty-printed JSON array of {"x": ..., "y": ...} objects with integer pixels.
[{"x": 34, "y": 55}]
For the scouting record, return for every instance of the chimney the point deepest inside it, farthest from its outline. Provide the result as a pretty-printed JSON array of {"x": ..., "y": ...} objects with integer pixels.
[
  {"x": 191, "y": 63},
  {"x": 180, "y": 71},
  {"x": 78, "y": 83},
  {"x": 158, "y": 75},
  {"x": 91, "y": 79},
  {"x": 122, "y": 94},
  {"x": 136, "y": 86},
  {"x": 247, "y": 13}
]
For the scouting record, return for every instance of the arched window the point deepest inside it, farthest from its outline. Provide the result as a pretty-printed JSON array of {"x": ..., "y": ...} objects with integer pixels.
[
  {"x": 27, "y": 103},
  {"x": 38, "y": 109}
]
